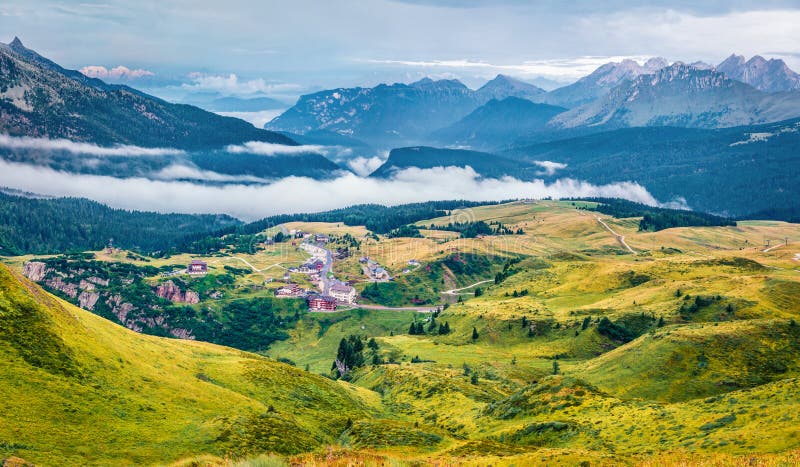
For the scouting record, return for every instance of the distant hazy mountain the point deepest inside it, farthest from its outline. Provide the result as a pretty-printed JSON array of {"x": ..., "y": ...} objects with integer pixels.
[
  {"x": 733, "y": 171},
  {"x": 383, "y": 116},
  {"x": 397, "y": 114},
  {"x": 765, "y": 75},
  {"x": 503, "y": 86},
  {"x": 485, "y": 164},
  {"x": 681, "y": 95},
  {"x": 217, "y": 103},
  {"x": 498, "y": 123},
  {"x": 40, "y": 98},
  {"x": 601, "y": 81}
]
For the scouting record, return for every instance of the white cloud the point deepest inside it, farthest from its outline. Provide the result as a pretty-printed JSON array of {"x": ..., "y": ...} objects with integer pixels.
[
  {"x": 364, "y": 166},
  {"x": 185, "y": 172},
  {"x": 231, "y": 85},
  {"x": 118, "y": 73},
  {"x": 298, "y": 194},
  {"x": 272, "y": 149},
  {"x": 45, "y": 144},
  {"x": 550, "y": 167}
]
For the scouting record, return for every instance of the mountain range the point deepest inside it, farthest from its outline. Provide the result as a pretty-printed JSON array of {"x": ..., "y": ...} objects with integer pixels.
[
  {"x": 616, "y": 95},
  {"x": 765, "y": 75},
  {"x": 685, "y": 96},
  {"x": 390, "y": 115}
]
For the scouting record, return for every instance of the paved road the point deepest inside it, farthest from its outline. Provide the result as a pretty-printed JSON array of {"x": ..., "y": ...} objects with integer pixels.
[
  {"x": 620, "y": 238},
  {"x": 421, "y": 309}
]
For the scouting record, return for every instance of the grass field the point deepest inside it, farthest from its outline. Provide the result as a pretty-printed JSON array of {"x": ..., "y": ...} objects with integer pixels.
[{"x": 576, "y": 350}]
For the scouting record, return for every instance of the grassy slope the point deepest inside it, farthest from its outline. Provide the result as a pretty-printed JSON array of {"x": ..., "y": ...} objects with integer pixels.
[
  {"x": 718, "y": 382},
  {"x": 70, "y": 378}
]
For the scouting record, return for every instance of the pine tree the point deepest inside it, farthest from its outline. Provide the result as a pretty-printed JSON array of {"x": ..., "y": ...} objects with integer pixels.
[
  {"x": 474, "y": 334},
  {"x": 556, "y": 367},
  {"x": 412, "y": 329}
]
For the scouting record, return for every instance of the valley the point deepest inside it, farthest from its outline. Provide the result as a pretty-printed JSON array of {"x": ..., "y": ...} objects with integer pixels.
[
  {"x": 402, "y": 233},
  {"x": 558, "y": 343}
]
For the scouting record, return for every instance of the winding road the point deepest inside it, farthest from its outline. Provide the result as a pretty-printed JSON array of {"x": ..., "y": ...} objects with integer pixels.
[{"x": 620, "y": 238}]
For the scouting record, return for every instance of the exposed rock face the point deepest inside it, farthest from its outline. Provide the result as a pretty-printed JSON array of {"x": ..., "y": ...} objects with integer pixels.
[
  {"x": 87, "y": 300},
  {"x": 86, "y": 285},
  {"x": 98, "y": 281},
  {"x": 173, "y": 293},
  {"x": 34, "y": 270},
  {"x": 67, "y": 288},
  {"x": 181, "y": 333},
  {"x": 121, "y": 310},
  {"x": 191, "y": 297}
]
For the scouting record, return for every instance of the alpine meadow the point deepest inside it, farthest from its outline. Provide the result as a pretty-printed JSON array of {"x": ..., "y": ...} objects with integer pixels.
[{"x": 399, "y": 233}]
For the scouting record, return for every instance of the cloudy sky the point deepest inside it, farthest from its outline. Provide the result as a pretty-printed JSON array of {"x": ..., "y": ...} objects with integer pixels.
[{"x": 283, "y": 49}]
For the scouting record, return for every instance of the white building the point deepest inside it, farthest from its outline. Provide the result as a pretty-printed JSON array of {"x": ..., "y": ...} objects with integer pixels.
[{"x": 343, "y": 293}]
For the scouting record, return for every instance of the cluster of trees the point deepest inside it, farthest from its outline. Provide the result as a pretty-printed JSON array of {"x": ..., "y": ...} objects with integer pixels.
[
  {"x": 417, "y": 328},
  {"x": 473, "y": 229},
  {"x": 42, "y": 226},
  {"x": 691, "y": 306},
  {"x": 655, "y": 219},
  {"x": 350, "y": 355},
  {"x": 516, "y": 293},
  {"x": 405, "y": 231},
  {"x": 507, "y": 271}
]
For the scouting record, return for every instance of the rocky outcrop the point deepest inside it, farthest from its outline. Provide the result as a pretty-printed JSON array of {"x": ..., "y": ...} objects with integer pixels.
[
  {"x": 181, "y": 333},
  {"x": 68, "y": 288},
  {"x": 86, "y": 285},
  {"x": 121, "y": 310},
  {"x": 98, "y": 281},
  {"x": 34, "y": 270},
  {"x": 168, "y": 290},
  {"x": 87, "y": 300},
  {"x": 191, "y": 297}
]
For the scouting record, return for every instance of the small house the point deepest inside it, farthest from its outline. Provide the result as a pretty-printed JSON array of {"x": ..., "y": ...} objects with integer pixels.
[{"x": 197, "y": 267}]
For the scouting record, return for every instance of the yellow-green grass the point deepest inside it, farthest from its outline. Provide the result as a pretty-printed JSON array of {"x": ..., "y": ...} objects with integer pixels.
[
  {"x": 79, "y": 390},
  {"x": 695, "y": 361},
  {"x": 314, "y": 341}
]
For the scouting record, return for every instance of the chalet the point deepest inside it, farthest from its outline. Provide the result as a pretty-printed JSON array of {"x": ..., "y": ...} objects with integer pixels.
[
  {"x": 312, "y": 267},
  {"x": 379, "y": 273},
  {"x": 197, "y": 268},
  {"x": 413, "y": 262},
  {"x": 343, "y": 293},
  {"x": 289, "y": 291},
  {"x": 321, "y": 238},
  {"x": 321, "y": 303}
]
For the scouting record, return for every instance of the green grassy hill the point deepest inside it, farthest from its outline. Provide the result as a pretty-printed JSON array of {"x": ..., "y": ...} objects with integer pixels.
[
  {"x": 70, "y": 379},
  {"x": 575, "y": 350}
]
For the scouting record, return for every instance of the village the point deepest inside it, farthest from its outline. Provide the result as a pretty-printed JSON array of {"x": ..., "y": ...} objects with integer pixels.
[{"x": 330, "y": 292}]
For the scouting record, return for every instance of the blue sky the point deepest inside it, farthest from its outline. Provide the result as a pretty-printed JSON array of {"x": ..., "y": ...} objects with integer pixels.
[{"x": 283, "y": 49}]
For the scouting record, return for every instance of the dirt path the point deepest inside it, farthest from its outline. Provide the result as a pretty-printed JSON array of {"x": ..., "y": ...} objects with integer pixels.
[
  {"x": 454, "y": 291},
  {"x": 620, "y": 238},
  {"x": 767, "y": 250},
  {"x": 251, "y": 266}
]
